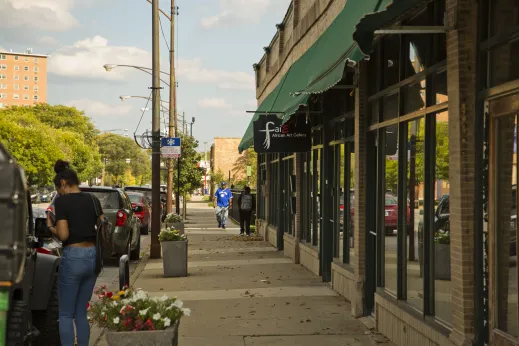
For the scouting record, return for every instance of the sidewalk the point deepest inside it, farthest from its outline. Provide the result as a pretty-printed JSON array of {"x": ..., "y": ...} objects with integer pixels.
[{"x": 247, "y": 293}]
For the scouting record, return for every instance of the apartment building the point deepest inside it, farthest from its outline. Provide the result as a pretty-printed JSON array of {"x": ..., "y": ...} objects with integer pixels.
[{"x": 23, "y": 78}]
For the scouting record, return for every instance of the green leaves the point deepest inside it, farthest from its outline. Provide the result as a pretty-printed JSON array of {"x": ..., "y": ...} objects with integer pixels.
[
  {"x": 38, "y": 136},
  {"x": 190, "y": 174}
]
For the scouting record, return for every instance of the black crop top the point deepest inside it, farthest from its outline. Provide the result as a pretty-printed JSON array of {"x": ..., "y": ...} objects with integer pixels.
[{"x": 79, "y": 211}]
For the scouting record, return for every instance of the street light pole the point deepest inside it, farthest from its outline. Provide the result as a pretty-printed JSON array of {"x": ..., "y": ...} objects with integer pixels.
[
  {"x": 155, "y": 250},
  {"x": 173, "y": 122}
]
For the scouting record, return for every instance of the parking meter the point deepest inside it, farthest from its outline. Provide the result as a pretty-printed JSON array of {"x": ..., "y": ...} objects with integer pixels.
[{"x": 13, "y": 234}]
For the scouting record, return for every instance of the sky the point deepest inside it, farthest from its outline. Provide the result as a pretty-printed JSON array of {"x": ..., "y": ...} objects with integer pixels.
[{"x": 217, "y": 43}]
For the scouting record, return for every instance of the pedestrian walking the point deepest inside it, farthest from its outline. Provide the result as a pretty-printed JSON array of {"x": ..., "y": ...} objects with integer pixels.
[
  {"x": 76, "y": 220},
  {"x": 222, "y": 202},
  {"x": 246, "y": 203}
]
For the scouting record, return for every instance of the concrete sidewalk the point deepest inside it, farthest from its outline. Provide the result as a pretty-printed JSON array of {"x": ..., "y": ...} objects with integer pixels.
[{"x": 247, "y": 293}]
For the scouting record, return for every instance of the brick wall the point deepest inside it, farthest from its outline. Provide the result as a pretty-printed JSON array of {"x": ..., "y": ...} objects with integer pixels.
[
  {"x": 225, "y": 154},
  {"x": 461, "y": 79}
]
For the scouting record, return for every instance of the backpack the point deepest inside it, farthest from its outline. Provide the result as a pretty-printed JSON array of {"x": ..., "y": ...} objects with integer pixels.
[{"x": 246, "y": 202}]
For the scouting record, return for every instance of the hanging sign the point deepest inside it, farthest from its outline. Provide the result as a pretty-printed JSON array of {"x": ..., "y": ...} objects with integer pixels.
[
  {"x": 271, "y": 136},
  {"x": 170, "y": 148}
]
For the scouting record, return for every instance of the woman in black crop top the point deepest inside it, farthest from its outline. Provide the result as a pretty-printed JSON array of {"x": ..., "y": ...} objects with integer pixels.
[{"x": 75, "y": 227}]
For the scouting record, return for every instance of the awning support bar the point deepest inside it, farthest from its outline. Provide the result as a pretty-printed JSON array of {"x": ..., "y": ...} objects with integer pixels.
[{"x": 413, "y": 30}]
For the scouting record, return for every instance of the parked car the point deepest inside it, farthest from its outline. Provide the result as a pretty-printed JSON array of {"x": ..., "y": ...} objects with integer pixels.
[
  {"x": 117, "y": 207},
  {"x": 142, "y": 210},
  {"x": 390, "y": 213},
  {"x": 45, "y": 198},
  {"x": 147, "y": 192}
]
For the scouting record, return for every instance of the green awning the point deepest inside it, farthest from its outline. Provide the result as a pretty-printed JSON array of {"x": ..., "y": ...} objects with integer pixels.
[
  {"x": 390, "y": 11},
  {"x": 320, "y": 68}
]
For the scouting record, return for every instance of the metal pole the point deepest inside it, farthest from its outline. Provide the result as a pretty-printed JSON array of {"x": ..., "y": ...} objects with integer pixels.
[
  {"x": 191, "y": 130},
  {"x": 205, "y": 163},
  {"x": 155, "y": 250},
  {"x": 172, "y": 107},
  {"x": 177, "y": 202}
]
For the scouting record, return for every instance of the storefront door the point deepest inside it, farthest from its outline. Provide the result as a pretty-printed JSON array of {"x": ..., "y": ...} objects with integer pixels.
[{"x": 502, "y": 221}]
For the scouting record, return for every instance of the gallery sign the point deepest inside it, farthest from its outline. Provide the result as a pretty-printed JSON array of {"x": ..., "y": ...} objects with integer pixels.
[{"x": 271, "y": 136}]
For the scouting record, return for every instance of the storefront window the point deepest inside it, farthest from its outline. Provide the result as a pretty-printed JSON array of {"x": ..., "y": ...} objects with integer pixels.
[
  {"x": 339, "y": 202},
  {"x": 391, "y": 208},
  {"x": 316, "y": 229},
  {"x": 390, "y": 107},
  {"x": 414, "y": 96},
  {"x": 415, "y": 221},
  {"x": 391, "y": 57},
  {"x": 442, "y": 247},
  {"x": 505, "y": 224}
]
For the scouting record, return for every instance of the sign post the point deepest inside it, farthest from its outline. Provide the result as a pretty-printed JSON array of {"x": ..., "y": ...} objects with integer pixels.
[{"x": 170, "y": 147}]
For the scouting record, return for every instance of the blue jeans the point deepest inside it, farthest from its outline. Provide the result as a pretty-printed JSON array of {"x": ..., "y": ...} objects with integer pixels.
[
  {"x": 221, "y": 214},
  {"x": 76, "y": 285}
]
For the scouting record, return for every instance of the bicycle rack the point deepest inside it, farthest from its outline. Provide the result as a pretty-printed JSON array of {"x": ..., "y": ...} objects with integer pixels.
[{"x": 124, "y": 272}]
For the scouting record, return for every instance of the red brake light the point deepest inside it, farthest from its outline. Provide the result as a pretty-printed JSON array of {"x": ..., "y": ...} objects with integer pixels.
[
  {"x": 121, "y": 218},
  {"x": 341, "y": 207}
]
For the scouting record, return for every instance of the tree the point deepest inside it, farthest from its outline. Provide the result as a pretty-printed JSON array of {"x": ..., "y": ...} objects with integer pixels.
[
  {"x": 122, "y": 157},
  {"x": 249, "y": 158},
  {"x": 190, "y": 174},
  {"x": 216, "y": 178},
  {"x": 36, "y": 140}
]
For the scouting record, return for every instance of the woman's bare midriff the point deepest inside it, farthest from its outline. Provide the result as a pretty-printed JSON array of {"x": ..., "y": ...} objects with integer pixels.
[{"x": 83, "y": 244}]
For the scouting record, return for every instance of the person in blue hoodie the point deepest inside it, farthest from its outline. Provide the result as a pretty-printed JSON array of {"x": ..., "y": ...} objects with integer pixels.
[{"x": 222, "y": 202}]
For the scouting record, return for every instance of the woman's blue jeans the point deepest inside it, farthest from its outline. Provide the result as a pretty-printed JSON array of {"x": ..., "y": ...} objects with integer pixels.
[{"x": 77, "y": 279}]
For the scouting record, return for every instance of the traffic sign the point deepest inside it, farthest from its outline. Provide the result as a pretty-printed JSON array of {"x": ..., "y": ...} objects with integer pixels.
[{"x": 170, "y": 147}]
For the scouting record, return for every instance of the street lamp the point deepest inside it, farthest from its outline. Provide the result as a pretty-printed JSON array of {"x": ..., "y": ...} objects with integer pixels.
[
  {"x": 110, "y": 67},
  {"x": 191, "y": 125}
]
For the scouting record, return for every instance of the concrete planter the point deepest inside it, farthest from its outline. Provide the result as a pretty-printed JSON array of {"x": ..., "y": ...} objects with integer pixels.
[
  {"x": 442, "y": 261},
  {"x": 167, "y": 337},
  {"x": 177, "y": 225},
  {"x": 174, "y": 258}
]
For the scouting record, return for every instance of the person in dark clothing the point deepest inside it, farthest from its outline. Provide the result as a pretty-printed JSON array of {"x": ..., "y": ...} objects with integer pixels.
[{"x": 246, "y": 205}]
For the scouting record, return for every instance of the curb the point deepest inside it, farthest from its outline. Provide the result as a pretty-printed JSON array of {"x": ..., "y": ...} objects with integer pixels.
[{"x": 96, "y": 333}]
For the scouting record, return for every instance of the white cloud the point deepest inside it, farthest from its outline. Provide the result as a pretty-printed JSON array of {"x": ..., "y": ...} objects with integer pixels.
[
  {"x": 86, "y": 58},
  {"x": 48, "y": 41},
  {"x": 214, "y": 103},
  {"x": 193, "y": 71},
  {"x": 92, "y": 107},
  {"x": 243, "y": 11},
  {"x": 50, "y": 15}
]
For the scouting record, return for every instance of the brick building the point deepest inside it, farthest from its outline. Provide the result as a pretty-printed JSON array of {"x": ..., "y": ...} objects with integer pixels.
[
  {"x": 23, "y": 78},
  {"x": 406, "y": 202},
  {"x": 224, "y": 155}
]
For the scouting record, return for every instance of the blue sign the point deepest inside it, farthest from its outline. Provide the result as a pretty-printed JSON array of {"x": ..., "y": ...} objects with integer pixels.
[{"x": 170, "y": 147}]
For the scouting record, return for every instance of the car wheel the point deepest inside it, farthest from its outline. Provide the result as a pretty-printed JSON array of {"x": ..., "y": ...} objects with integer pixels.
[
  {"x": 46, "y": 321},
  {"x": 19, "y": 324},
  {"x": 136, "y": 253}
]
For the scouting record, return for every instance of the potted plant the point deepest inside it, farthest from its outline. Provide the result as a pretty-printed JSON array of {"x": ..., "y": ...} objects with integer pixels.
[
  {"x": 174, "y": 252},
  {"x": 175, "y": 221},
  {"x": 133, "y": 317},
  {"x": 442, "y": 255}
]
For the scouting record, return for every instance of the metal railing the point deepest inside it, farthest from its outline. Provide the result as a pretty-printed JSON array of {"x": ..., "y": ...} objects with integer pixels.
[{"x": 234, "y": 212}]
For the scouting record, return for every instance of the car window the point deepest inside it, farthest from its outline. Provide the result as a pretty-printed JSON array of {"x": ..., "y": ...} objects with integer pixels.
[
  {"x": 146, "y": 193},
  {"x": 108, "y": 199},
  {"x": 135, "y": 198},
  {"x": 126, "y": 201},
  {"x": 391, "y": 200}
]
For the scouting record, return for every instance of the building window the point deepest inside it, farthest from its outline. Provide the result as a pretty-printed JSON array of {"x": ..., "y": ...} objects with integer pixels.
[
  {"x": 3, "y": 86},
  {"x": 16, "y": 87},
  {"x": 16, "y": 68},
  {"x": 273, "y": 216},
  {"x": 26, "y": 68},
  {"x": 3, "y": 57},
  {"x": 16, "y": 77},
  {"x": 3, "y": 96},
  {"x": 25, "y": 97},
  {"x": 36, "y": 60},
  {"x": 35, "y": 97},
  {"x": 3, "y": 67},
  {"x": 16, "y": 96},
  {"x": 25, "y": 78},
  {"x": 26, "y": 59},
  {"x": 3, "y": 76},
  {"x": 36, "y": 69},
  {"x": 35, "y": 78},
  {"x": 25, "y": 87},
  {"x": 36, "y": 88},
  {"x": 411, "y": 163},
  {"x": 16, "y": 57}
]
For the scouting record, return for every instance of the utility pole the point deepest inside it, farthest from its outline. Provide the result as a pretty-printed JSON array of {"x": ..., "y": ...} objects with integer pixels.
[
  {"x": 155, "y": 250},
  {"x": 206, "y": 168},
  {"x": 173, "y": 120}
]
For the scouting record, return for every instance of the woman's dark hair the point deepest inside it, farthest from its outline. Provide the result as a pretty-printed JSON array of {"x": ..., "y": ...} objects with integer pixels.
[
  {"x": 247, "y": 189},
  {"x": 64, "y": 172}
]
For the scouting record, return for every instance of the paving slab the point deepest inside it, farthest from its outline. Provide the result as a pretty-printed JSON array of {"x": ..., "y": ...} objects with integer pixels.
[{"x": 309, "y": 340}]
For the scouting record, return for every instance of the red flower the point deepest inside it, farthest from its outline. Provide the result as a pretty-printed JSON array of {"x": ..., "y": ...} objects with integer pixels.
[
  {"x": 88, "y": 305},
  {"x": 109, "y": 295}
]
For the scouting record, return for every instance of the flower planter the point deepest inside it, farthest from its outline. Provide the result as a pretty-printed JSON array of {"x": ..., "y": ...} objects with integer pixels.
[
  {"x": 442, "y": 261},
  {"x": 174, "y": 258},
  {"x": 167, "y": 337},
  {"x": 177, "y": 225}
]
